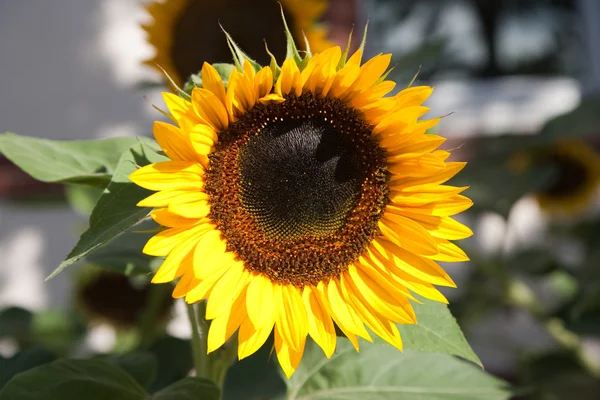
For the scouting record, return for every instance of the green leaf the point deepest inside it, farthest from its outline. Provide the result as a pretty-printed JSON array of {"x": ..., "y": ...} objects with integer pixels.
[
  {"x": 23, "y": 361},
  {"x": 174, "y": 361},
  {"x": 82, "y": 199},
  {"x": 116, "y": 209},
  {"x": 124, "y": 253},
  {"x": 436, "y": 331},
  {"x": 141, "y": 366},
  {"x": 256, "y": 377},
  {"x": 56, "y": 330},
  {"x": 73, "y": 379},
  {"x": 378, "y": 372},
  {"x": 85, "y": 162},
  {"x": 190, "y": 388}
]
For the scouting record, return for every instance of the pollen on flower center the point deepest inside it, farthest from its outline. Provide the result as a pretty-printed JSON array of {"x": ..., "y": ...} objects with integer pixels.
[{"x": 297, "y": 188}]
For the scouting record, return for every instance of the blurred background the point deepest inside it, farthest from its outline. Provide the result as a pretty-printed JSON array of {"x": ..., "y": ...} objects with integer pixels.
[{"x": 518, "y": 82}]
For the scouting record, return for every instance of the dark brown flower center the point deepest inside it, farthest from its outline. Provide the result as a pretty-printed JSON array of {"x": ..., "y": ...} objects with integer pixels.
[
  {"x": 571, "y": 175},
  {"x": 297, "y": 188},
  {"x": 197, "y": 36}
]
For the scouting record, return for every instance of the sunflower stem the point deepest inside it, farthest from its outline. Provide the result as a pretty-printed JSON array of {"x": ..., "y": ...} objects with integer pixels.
[
  {"x": 198, "y": 342},
  {"x": 205, "y": 360}
]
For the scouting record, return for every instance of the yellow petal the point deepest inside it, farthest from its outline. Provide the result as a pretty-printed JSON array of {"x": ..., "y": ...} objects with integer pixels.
[
  {"x": 263, "y": 82},
  {"x": 441, "y": 227},
  {"x": 226, "y": 290},
  {"x": 165, "y": 217},
  {"x": 421, "y": 268},
  {"x": 210, "y": 109},
  {"x": 344, "y": 315},
  {"x": 424, "y": 144},
  {"x": 370, "y": 292},
  {"x": 211, "y": 80},
  {"x": 161, "y": 199},
  {"x": 177, "y": 266},
  {"x": 320, "y": 326},
  {"x": 400, "y": 278},
  {"x": 449, "y": 252},
  {"x": 413, "y": 96},
  {"x": 371, "y": 71},
  {"x": 399, "y": 120},
  {"x": 407, "y": 234},
  {"x": 222, "y": 327},
  {"x": 169, "y": 175},
  {"x": 444, "y": 207},
  {"x": 183, "y": 286},
  {"x": 202, "y": 138},
  {"x": 201, "y": 289},
  {"x": 380, "y": 325},
  {"x": 423, "y": 165},
  {"x": 241, "y": 94},
  {"x": 291, "y": 321},
  {"x": 380, "y": 274},
  {"x": 191, "y": 205},
  {"x": 264, "y": 298},
  {"x": 421, "y": 195},
  {"x": 290, "y": 80},
  {"x": 211, "y": 255},
  {"x": 175, "y": 144},
  {"x": 320, "y": 291},
  {"x": 180, "y": 109},
  {"x": 396, "y": 132},
  {"x": 437, "y": 178},
  {"x": 289, "y": 358},
  {"x": 271, "y": 98},
  {"x": 163, "y": 242},
  {"x": 251, "y": 338},
  {"x": 178, "y": 262}
]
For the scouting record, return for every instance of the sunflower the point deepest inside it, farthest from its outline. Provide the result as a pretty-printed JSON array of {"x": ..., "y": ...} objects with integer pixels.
[
  {"x": 184, "y": 32},
  {"x": 118, "y": 300},
  {"x": 576, "y": 180},
  {"x": 300, "y": 198}
]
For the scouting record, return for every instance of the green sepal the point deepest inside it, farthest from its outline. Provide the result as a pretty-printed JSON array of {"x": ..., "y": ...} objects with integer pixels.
[
  {"x": 385, "y": 75},
  {"x": 363, "y": 42},
  {"x": 308, "y": 51},
  {"x": 344, "y": 57},
  {"x": 275, "y": 68},
  {"x": 292, "y": 50},
  {"x": 179, "y": 90},
  {"x": 414, "y": 77},
  {"x": 239, "y": 57},
  {"x": 194, "y": 81},
  {"x": 303, "y": 64}
]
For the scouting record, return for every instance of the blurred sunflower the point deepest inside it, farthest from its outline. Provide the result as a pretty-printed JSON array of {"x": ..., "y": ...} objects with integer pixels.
[
  {"x": 297, "y": 201},
  {"x": 115, "y": 299},
  {"x": 185, "y": 33},
  {"x": 576, "y": 180}
]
